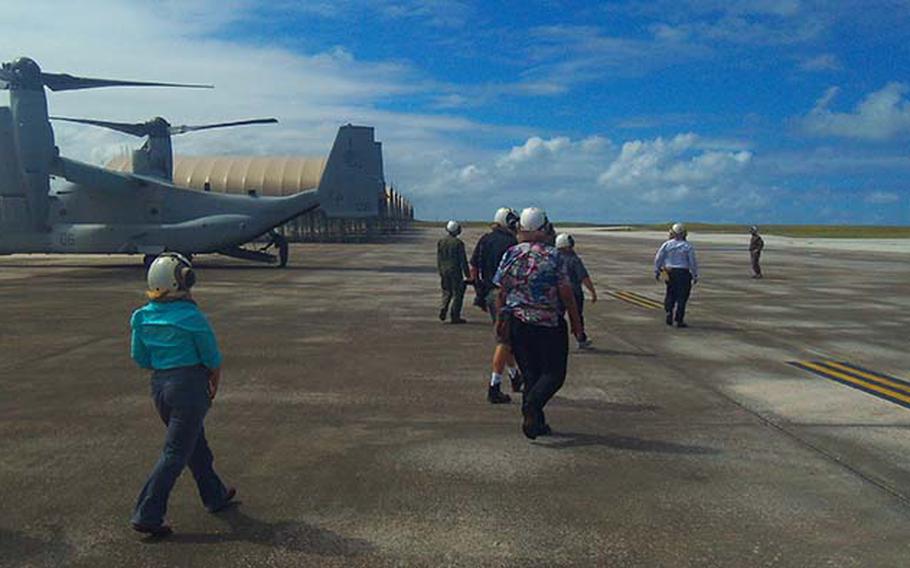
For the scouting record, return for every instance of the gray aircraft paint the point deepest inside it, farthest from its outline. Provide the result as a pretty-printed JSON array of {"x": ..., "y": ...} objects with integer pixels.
[{"x": 51, "y": 204}]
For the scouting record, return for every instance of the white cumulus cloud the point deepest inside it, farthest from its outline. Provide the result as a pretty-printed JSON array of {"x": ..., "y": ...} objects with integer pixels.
[
  {"x": 881, "y": 115},
  {"x": 672, "y": 169}
]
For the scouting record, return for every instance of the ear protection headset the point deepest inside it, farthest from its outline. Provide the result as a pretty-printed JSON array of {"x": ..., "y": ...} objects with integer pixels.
[{"x": 183, "y": 272}]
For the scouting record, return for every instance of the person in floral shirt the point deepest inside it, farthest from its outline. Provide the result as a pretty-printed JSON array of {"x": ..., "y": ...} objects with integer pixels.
[{"x": 534, "y": 292}]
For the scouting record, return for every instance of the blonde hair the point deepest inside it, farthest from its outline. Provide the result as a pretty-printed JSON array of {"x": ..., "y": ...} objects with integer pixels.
[{"x": 166, "y": 295}]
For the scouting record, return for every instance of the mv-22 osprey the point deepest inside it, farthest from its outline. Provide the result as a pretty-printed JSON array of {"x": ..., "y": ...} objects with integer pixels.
[{"x": 91, "y": 210}]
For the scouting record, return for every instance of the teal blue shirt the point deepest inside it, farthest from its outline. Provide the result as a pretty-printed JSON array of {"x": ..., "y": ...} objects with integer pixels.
[{"x": 167, "y": 335}]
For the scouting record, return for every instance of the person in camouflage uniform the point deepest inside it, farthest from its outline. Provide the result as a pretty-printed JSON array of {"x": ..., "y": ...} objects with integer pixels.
[{"x": 452, "y": 264}]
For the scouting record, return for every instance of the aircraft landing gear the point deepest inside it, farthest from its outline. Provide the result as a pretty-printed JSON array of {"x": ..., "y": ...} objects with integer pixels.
[{"x": 148, "y": 259}]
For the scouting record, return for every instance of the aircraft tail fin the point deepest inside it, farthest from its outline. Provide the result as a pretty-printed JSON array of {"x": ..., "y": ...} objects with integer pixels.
[{"x": 352, "y": 184}]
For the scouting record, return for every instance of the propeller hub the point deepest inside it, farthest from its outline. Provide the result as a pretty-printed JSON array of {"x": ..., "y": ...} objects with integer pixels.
[
  {"x": 25, "y": 73},
  {"x": 158, "y": 127}
]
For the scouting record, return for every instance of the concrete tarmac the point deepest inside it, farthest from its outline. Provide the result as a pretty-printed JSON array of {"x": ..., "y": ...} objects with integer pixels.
[{"x": 355, "y": 426}]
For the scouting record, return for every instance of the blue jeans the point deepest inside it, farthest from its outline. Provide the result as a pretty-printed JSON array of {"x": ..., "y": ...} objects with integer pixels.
[{"x": 182, "y": 400}]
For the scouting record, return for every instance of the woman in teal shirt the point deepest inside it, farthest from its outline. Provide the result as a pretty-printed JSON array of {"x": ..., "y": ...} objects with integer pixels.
[{"x": 172, "y": 338}]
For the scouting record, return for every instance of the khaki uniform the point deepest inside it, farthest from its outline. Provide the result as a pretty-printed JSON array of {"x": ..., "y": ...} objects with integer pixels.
[{"x": 452, "y": 264}]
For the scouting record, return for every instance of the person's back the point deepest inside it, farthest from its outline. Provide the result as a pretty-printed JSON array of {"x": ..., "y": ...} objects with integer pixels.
[
  {"x": 489, "y": 251},
  {"x": 531, "y": 273},
  {"x": 577, "y": 272},
  {"x": 450, "y": 256},
  {"x": 677, "y": 253},
  {"x": 173, "y": 334}
]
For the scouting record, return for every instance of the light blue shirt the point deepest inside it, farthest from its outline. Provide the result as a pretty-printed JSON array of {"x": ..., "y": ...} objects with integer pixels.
[
  {"x": 167, "y": 335},
  {"x": 676, "y": 254}
]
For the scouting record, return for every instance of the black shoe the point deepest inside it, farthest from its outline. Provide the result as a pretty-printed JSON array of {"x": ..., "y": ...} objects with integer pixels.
[
  {"x": 681, "y": 324},
  {"x": 459, "y": 320},
  {"x": 496, "y": 396},
  {"x": 545, "y": 430},
  {"x": 669, "y": 318},
  {"x": 529, "y": 425},
  {"x": 228, "y": 497},
  {"x": 156, "y": 531},
  {"x": 516, "y": 380},
  {"x": 442, "y": 315}
]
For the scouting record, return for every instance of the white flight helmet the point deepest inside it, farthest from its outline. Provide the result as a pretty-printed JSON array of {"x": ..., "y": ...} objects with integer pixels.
[
  {"x": 506, "y": 218},
  {"x": 678, "y": 229},
  {"x": 565, "y": 240},
  {"x": 753, "y": 229},
  {"x": 533, "y": 219},
  {"x": 453, "y": 228},
  {"x": 169, "y": 273}
]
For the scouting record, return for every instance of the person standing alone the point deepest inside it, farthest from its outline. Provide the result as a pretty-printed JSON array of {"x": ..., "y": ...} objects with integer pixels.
[
  {"x": 756, "y": 245},
  {"x": 676, "y": 257},
  {"x": 452, "y": 264},
  {"x": 172, "y": 338}
]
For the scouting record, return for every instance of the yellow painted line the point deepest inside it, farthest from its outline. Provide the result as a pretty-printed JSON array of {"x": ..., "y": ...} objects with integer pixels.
[
  {"x": 633, "y": 300},
  {"x": 645, "y": 299},
  {"x": 865, "y": 385},
  {"x": 903, "y": 387},
  {"x": 638, "y": 297}
]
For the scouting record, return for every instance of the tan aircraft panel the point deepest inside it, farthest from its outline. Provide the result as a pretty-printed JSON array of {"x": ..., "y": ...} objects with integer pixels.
[{"x": 268, "y": 175}]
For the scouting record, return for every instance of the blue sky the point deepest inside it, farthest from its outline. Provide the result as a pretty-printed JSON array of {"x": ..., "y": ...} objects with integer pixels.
[{"x": 762, "y": 111}]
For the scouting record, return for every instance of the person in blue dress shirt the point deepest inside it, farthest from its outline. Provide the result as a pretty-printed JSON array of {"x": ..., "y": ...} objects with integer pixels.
[
  {"x": 172, "y": 338},
  {"x": 676, "y": 259}
]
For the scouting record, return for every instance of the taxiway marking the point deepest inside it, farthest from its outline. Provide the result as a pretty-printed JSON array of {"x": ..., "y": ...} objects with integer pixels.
[
  {"x": 636, "y": 299},
  {"x": 878, "y": 384}
]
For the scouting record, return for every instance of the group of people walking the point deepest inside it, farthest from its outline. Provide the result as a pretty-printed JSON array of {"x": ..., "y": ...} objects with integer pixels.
[{"x": 527, "y": 278}]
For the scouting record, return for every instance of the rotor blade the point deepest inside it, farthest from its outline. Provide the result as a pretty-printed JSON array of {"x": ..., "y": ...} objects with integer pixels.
[
  {"x": 184, "y": 128},
  {"x": 64, "y": 82},
  {"x": 137, "y": 129}
]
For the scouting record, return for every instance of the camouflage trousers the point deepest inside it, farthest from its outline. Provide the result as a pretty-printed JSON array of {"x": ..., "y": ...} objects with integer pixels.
[{"x": 453, "y": 287}]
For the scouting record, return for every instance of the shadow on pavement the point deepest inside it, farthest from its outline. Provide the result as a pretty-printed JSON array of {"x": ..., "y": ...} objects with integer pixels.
[
  {"x": 565, "y": 440},
  {"x": 595, "y": 404},
  {"x": 294, "y": 536},
  {"x": 615, "y": 352},
  {"x": 20, "y": 549}
]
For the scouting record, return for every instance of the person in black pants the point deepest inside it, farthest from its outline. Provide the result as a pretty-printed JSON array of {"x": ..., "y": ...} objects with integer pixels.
[
  {"x": 676, "y": 258},
  {"x": 534, "y": 291},
  {"x": 679, "y": 287}
]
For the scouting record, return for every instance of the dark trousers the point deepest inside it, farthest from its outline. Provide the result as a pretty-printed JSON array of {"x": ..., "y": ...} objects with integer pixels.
[
  {"x": 452, "y": 293},
  {"x": 542, "y": 354},
  {"x": 678, "y": 289},
  {"x": 182, "y": 400},
  {"x": 756, "y": 257},
  {"x": 580, "y": 302}
]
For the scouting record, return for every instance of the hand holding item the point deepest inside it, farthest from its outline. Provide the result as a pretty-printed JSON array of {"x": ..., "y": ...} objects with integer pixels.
[{"x": 214, "y": 380}]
